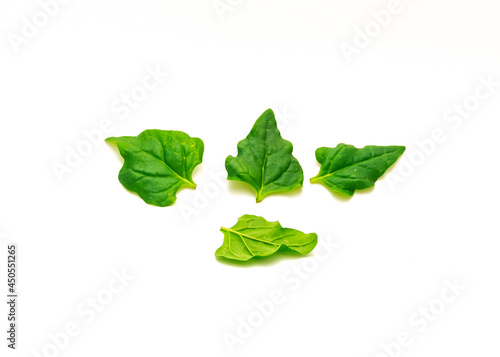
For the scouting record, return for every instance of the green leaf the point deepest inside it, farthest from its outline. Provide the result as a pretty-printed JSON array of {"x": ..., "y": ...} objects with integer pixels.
[
  {"x": 157, "y": 163},
  {"x": 253, "y": 236},
  {"x": 265, "y": 160},
  {"x": 345, "y": 168}
]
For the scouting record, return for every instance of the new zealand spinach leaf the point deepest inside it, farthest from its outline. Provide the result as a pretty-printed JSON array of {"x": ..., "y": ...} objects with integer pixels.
[
  {"x": 345, "y": 168},
  {"x": 265, "y": 160},
  {"x": 253, "y": 236},
  {"x": 157, "y": 163}
]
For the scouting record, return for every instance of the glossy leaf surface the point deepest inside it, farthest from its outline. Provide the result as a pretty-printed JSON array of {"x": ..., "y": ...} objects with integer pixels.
[
  {"x": 253, "y": 236},
  {"x": 157, "y": 163},
  {"x": 345, "y": 168},
  {"x": 265, "y": 160}
]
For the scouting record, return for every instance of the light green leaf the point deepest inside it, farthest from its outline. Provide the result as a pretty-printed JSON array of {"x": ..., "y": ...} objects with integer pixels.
[
  {"x": 157, "y": 163},
  {"x": 345, "y": 168},
  {"x": 253, "y": 236},
  {"x": 265, "y": 160}
]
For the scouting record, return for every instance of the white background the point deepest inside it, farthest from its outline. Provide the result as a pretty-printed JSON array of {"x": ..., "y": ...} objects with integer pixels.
[{"x": 398, "y": 243}]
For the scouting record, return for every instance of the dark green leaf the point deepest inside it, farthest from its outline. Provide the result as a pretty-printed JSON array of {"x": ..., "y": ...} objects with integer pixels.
[
  {"x": 157, "y": 163},
  {"x": 345, "y": 168},
  {"x": 253, "y": 236},
  {"x": 265, "y": 160}
]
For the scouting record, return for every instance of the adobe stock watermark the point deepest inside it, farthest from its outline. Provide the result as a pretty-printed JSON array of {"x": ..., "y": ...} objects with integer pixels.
[
  {"x": 291, "y": 281},
  {"x": 208, "y": 192},
  {"x": 203, "y": 196},
  {"x": 423, "y": 317},
  {"x": 363, "y": 36},
  {"x": 31, "y": 26},
  {"x": 454, "y": 118},
  {"x": 86, "y": 312},
  {"x": 222, "y": 7},
  {"x": 121, "y": 107}
]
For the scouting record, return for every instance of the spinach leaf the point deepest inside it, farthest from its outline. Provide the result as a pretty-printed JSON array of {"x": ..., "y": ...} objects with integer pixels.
[
  {"x": 253, "y": 236},
  {"x": 265, "y": 160},
  {"x": 157, "y": 163},
  {"x": 345, "y": 168}
]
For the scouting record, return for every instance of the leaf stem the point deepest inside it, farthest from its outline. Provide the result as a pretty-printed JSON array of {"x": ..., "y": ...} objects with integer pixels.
[
  {"x": 189, "y": 184},
  {"x": 316, "y": 179}
]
